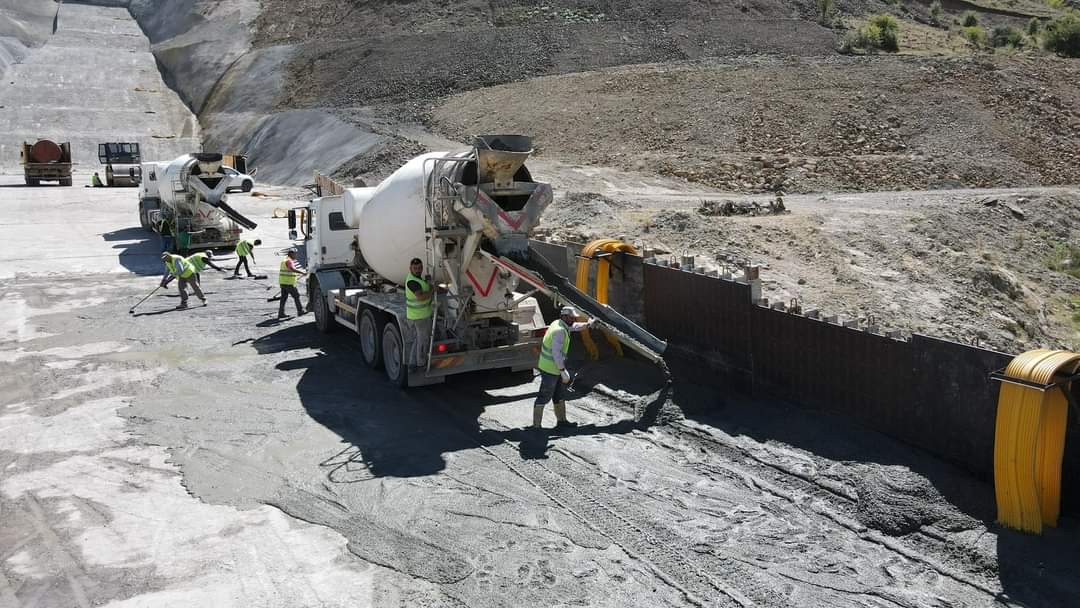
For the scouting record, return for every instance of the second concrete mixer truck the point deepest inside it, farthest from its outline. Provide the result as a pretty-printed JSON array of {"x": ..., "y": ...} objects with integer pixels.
[
  {"x": 468, "y": 216},
  {"x": 189, "y": 192}
]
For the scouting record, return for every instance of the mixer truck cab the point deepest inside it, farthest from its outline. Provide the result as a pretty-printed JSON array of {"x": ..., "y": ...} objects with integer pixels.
[{"x": 463, "y": 213}]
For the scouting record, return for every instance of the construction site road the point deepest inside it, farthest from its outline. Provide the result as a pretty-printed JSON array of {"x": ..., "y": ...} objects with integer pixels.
[{"x": 219, "y": 456}]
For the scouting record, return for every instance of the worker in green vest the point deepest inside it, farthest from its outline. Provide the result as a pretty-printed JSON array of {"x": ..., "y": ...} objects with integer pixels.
[
  {"x": 419, "y": 310},
  {"x": 287, "y": 273},
  {"x": 95, "y": 181},
  {"x": 201, "y": 260},
  {"x": 165, "y": 230},
  {"x": 243, "y": 250},
  {"x": 177, "y": 267},
  {"x": 552, "y": 366}
]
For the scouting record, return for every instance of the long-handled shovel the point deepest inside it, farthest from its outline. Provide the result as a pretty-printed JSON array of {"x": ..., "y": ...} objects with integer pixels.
[{"x": 131, "y": 311}]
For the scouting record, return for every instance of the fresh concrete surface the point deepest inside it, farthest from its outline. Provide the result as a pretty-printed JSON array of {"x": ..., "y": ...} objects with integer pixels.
[
  {"x": 93, "y": 81},
  {"x": 180, "y": 458}
]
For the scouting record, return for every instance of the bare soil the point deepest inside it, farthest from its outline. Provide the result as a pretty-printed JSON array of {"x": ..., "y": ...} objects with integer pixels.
[{"x": 993, "y": 267}]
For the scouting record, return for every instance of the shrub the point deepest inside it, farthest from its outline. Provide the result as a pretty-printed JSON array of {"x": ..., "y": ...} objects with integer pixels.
[
  {"x": 878, "y": 33},
  {"x": 825, "y": 9},
  {"x": 1006, "y": 36},
  {"x": 885, "y": 28},
  {"x": 1033, "y": 27},
  {"x": 975, "y": 35},
  {"x": 1062, "y": 35},
  {"x": 969, "y": 19},
  {"x": 935, "y": 12}
]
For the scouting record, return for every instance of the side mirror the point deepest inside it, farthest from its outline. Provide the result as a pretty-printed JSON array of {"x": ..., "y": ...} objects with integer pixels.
[
  {"x": 292, "y": 235},
  {"x": 292, "y": 222}
]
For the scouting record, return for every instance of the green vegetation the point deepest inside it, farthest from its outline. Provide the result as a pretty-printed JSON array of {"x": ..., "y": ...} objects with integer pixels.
[
  {"x": 935, "y": 12},
  {"x": 879, "y": 33},
  {"x": 969, "y": 19},
  {"x": 1065, "y": 258},
  {"x": 1033, "y": 27},
  {"x": 1058, "y": 4},
  {"x": 826, "y": 10},
  {"x": 1062, "y": 35},
  {"x": 1006, "y": 36},
  {"x": 976, "y": 35}
]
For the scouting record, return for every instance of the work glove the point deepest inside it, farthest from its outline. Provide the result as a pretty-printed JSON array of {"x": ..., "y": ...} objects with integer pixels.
[
  {"x": 591, "y": 322},
  {"x": 565, "y": 375}
]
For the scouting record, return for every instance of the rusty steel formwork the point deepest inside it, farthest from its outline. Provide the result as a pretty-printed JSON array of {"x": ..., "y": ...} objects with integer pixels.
[
  {"x": 928, "y": 392},
  {"x": 707, "y": 314}
]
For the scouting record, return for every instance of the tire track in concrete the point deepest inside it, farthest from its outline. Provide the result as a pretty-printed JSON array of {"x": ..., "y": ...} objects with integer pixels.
[{"x": 795, "y": 488}]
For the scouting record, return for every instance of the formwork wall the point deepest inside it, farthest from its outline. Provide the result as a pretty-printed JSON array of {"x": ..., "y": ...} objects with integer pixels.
[{"x": 928, "y": 392}]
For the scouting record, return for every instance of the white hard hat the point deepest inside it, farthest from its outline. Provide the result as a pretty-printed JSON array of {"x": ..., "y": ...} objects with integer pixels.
[
  {"x": 568, "y": 311},
  {"x": 209, "y": 253}
]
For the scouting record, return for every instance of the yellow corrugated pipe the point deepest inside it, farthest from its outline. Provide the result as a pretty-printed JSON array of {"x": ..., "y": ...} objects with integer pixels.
[
  {"x": 1029, "y": 440},
  {"x": 603, "y": 272}
]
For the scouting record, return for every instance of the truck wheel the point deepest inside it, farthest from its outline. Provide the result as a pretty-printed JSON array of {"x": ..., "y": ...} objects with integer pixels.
[
  {"x": 394, "y": 355},
  {"x": 142, "y": 217},
  {"x": 30, "y": 181},
  {"x": 370, "y": 339},
  {"x": 317, "y": 303},
  {"x": 247, "y": 185},
  {"x": 65, "y": 182}
]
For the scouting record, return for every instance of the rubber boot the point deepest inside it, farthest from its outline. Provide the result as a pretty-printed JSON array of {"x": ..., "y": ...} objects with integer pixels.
[
  {"x": 560, "y": 416},
  {"x": 538, "y": 417}
]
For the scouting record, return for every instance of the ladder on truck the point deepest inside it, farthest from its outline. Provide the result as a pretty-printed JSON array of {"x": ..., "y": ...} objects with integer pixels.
[{"x": 439, "y": 197}]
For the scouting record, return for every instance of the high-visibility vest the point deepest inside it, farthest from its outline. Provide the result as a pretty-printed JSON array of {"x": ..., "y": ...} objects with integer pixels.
[
  {"x": 179, "y": 267},
  {"x": 198, "y": 261},
  {"x": 286, "y": 275},
  {"x": 95, "y": 181},
  {"x": 243, "y": 248},
  {"x": 546, "y": 363},
  {"x": 415, "y": 308}
]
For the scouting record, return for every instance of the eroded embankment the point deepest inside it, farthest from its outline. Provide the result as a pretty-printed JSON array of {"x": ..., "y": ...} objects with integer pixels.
[{"x": 205, "y": 53}]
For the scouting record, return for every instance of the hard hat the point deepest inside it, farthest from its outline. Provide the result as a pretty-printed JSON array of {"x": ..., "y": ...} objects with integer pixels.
[
  {"x": 209, "y": 253},
  {"x": 165, "y": 255},
  {"x": 568, "y": 311}
]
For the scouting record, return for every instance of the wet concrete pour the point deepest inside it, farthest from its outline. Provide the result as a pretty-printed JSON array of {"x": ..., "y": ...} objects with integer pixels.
[{"x": 437, "y": 494}]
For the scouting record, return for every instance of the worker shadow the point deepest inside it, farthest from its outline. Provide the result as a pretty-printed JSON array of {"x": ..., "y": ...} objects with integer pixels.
[
  {"x": 140, "y": 250},
  {"x": 390, "y": 432}
]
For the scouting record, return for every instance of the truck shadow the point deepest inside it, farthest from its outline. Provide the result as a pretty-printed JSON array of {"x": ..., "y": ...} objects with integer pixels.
[
  {"x": 140, "y": 250},
  {"x": 389, "y": 432}
]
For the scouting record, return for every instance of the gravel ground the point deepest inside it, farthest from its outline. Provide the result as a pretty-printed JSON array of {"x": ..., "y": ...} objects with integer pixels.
[{"x": 995, "y": 267}]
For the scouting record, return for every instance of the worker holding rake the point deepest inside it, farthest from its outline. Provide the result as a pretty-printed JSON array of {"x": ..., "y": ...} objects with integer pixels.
[{"x": 182, "y": 270}]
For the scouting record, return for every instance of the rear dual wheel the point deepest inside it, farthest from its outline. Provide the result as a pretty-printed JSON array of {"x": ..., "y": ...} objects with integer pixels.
[
  {"x": 371, "y": 339},
  {"x": 394, "y": 355}
]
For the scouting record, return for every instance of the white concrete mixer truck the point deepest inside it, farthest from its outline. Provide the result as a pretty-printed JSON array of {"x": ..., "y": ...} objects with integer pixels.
[
  {"x": 468, "y": 216},
  {"x": 189, "y": 192},
  {"x": 459, "y": 213}
]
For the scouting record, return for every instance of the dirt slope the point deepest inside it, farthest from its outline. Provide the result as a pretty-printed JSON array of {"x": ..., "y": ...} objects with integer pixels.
[{"x": 802, "y": 125}]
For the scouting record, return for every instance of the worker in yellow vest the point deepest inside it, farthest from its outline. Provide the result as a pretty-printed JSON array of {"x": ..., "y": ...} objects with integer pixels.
[
  {"x": 419, "y": 310},
  {"x": 177, "y": 267},
  {"x": 552, "y": 366},
  {"x": 287, "y": 273},
  {"x": 201, "y": 260},
  {"x": 243, "y": 250}
]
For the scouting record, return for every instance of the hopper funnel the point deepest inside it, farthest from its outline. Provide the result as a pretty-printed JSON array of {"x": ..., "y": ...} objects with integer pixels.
[
  {"x": 498, "y": 157},
  {"x": 209, "y": 164}
]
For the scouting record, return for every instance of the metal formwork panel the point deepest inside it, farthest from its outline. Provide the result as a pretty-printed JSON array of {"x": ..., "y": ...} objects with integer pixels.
[{"x": 703, "y": 312}]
